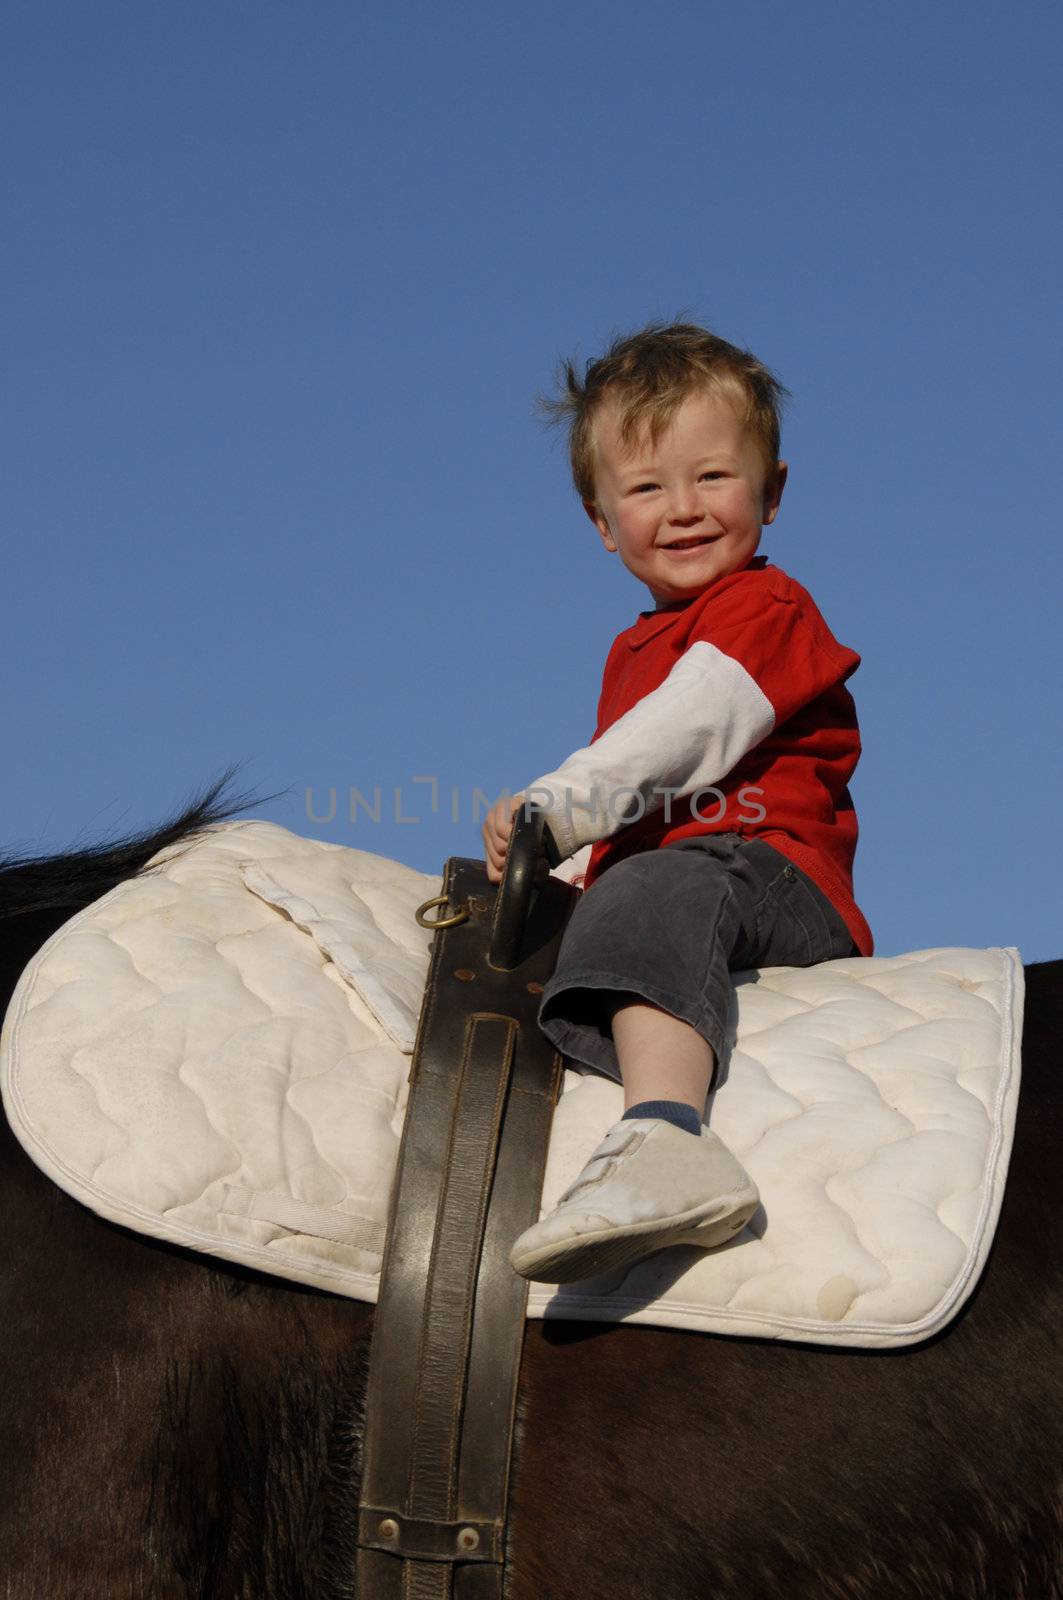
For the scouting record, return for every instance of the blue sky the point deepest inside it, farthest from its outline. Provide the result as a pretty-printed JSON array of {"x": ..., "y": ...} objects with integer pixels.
[{"x": 281, "y": 284}]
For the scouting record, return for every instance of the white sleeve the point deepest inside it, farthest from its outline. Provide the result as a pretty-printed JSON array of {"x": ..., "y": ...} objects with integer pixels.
[{"x": 684, "y": 735}]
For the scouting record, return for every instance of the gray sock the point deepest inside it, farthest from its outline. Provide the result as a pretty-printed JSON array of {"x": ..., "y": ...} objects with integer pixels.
[{"x": 676, "y": 1112}]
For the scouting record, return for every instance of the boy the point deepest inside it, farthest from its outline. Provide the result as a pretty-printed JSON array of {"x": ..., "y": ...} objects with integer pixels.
[{"x": 714, "y": 791}]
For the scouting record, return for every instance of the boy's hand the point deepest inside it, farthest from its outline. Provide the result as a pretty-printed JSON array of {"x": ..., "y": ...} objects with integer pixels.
[{"x": 497, "y": 830}]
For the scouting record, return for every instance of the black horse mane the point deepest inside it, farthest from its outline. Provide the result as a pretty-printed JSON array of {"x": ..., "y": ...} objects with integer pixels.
[{"x": 32, "y": 884}]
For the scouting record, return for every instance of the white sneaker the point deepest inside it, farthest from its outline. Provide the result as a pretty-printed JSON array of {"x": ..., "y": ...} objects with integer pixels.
[{"x": 648, "y": 1184}]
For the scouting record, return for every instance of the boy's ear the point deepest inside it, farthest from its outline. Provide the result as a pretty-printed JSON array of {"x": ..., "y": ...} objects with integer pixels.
[
  {"x": 773, "y": 492},
  {"x": 595, "y": 514}
]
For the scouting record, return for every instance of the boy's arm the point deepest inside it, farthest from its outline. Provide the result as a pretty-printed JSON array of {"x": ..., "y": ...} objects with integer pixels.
[{"x": 684, "y": 735}]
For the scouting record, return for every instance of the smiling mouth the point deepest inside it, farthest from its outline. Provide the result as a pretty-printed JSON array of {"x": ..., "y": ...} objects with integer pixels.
[{"x": 689, "y": 544}]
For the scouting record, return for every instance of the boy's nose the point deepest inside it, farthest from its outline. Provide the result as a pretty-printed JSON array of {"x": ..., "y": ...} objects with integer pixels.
[{"x": 684, "y": 506}]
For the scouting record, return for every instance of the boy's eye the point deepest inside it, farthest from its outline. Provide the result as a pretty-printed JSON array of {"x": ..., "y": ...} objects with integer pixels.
[
  {"x": 642, "y": 488},
  {"x": 712, "y": 474}
]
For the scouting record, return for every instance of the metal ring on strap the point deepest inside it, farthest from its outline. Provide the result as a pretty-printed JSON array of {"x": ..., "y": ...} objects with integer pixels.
[{"x": 439, "y": 922}]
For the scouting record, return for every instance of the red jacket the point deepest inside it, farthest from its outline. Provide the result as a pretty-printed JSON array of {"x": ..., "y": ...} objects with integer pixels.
[{"x": 725, "y": 714}]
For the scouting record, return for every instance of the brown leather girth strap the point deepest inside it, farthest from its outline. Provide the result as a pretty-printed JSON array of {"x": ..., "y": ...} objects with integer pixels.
[{"x": 449, "y": 1323}]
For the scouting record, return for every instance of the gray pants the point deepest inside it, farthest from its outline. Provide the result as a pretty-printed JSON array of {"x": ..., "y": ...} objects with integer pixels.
[{"x": 669, "y": 926}]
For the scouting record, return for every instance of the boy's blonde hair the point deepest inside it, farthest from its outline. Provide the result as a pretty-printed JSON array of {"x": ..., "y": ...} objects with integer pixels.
[{"x": 650, "y": 373}]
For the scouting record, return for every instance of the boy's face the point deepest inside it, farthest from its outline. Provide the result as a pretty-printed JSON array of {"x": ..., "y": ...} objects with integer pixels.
[{"x": 688, "y": 509}]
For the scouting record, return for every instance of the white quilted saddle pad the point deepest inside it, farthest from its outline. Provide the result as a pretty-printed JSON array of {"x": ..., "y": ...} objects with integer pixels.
[{"x": 217, "y": 1054}]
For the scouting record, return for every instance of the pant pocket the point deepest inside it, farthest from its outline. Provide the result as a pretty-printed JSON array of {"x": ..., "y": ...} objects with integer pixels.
[{"x": 796, "y": 924}]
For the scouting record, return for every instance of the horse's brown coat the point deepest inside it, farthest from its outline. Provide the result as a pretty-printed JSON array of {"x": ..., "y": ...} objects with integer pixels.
[{"x": 174, "y": 1428}]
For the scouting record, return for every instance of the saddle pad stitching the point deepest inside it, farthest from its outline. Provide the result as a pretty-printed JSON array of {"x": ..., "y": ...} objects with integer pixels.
[
  {"x": 116, "y": 1211},
  {"x": 181, "y": 1232},
  {"x": 972, "y": 1257},
  {"x": 305, "y": 916},
  {"x": 256, "y": 1205},
  {"x": 994, "y": 1019}
]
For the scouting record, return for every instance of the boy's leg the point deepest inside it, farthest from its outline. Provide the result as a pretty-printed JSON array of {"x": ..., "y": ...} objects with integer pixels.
[
  {"x": 641, "y": 991},
  {"x": 662, "y": 931},
  {"x": 659, "y": 932},
  {"x": 660, "y": 1057},
  {"x": 663, "y": 1058}
]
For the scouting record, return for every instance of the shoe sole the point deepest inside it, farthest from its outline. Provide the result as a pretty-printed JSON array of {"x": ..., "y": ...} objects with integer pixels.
[{"x": 588, "y": 1254}]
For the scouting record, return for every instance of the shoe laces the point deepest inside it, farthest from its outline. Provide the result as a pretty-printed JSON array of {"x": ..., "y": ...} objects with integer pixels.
[{"x": 604, "y": 1161}]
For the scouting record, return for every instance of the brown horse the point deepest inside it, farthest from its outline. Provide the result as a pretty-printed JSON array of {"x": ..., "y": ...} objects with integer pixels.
[{"x": 175, "y": 1428}]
